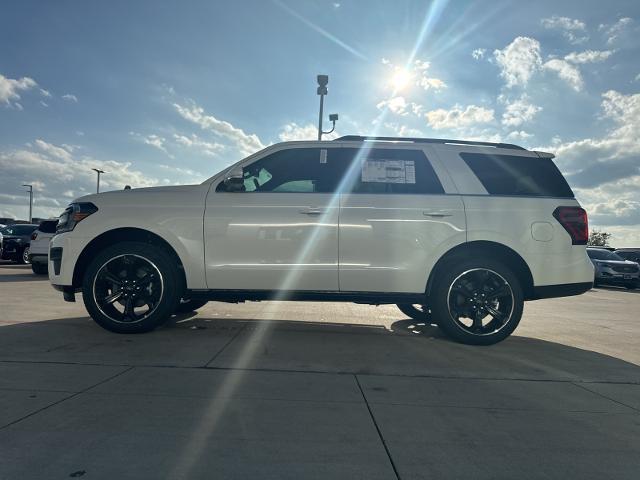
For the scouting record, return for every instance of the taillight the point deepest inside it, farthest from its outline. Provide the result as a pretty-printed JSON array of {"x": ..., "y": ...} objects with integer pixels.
[
  {"x": 574, "y": 220},
  {"x": 34, "y": 235}
]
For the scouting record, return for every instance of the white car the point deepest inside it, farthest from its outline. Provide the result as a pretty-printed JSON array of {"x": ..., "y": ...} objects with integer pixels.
[
  {"x": 467, "y": 230},
  {"x": 39, "y": 247}
]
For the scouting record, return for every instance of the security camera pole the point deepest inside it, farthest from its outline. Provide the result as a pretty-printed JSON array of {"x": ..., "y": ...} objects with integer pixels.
[
  {"x": 98, "y": 171},
  {"x": 323, "y": 80},
  {"x": 30, "y": 201}
]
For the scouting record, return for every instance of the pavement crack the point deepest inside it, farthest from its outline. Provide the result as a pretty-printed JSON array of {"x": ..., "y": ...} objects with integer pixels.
[
  {"x": 66, "y": 398},
  {"x": 375, "y": 424},
  {"x": 607, "y": 397},
  {"x": 217, "y": 354}
]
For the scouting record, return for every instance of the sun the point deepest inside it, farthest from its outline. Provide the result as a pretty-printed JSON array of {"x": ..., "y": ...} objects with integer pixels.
[{"x": 401, "y": 79}]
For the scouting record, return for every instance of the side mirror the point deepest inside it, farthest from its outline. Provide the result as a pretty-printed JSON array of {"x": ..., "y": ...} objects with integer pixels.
[{"x": 234, "y": 180}]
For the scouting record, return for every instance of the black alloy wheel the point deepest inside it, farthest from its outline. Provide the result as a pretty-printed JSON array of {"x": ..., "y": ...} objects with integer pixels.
[
  {"x": 131, "y": 287},
  {"x": 478, "y": 302}
]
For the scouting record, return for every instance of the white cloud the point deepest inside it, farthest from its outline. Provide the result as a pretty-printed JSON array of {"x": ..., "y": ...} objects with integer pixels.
[
  {"x": 10, "y": 88},
  {"x": 572, "y": 29},
  {"x": 210, "y": 149},
  {"x": 154, "y": 141},
  {"x": 519, "y": 60},
  {"x": 292, "y": 132},
  {"x": 245, "y": 143},
  {"x": 519, "y": 111},
  {"x": 589, "y": 56},
  {"x": 478, "y": 53},
  {"x": 458, "y": 117},
  {"x": 567, "y": 72},
  {"x": 519, "y": 135},
  {"x": 70, "y": 97},
  {"x": 45, "y": 93},
  {"x": 58, "y": 176},
  {"x": 416, "y": 74},
  {"x": 397, "y": 105},
  {"x": 615, "y": 31},
  {"x": 61, "y": 153},
  {"x": 398, "y": 130}
]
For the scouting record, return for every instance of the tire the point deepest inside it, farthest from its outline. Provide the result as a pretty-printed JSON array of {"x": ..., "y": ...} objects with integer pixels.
[
  {"x": 631, "y": 286},
  {"x": 40, "y": 268},
  {"x": 417, "y": 312},
  {"x": 23, "y": 258},
  {"x": 467, "y": 286},
  {"x": 129, "y": 276},
  {"x": 189, "y": 305}
]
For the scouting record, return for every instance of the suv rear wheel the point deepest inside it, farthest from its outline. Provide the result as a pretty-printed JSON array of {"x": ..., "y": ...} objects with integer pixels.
[
  {"x": 131, "y": 287},
  {"x": 477, "y": 302}
]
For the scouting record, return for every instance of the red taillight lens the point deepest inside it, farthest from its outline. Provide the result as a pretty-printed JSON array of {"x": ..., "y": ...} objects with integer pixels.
[
  {"x": 34, "y": 235},
  {"x": 574, "y": 220}
]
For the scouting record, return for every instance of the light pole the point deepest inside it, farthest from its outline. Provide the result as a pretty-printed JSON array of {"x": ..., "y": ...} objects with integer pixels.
[
  {"x": 323, "y": 80},
  {"x": 98, "y": 171},
  {"x": 30, "y": 200}
]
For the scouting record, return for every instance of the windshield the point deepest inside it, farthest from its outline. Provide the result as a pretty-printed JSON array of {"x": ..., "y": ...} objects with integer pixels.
[
  {"x": 18, "y": 230},
  {"x": 600, "y": 254}
]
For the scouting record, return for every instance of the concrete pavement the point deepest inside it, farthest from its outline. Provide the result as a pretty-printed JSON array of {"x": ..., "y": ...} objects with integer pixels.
[{"x": 296, "y": 390}]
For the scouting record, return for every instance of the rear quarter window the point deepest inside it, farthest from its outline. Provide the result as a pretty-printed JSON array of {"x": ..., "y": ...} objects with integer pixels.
[{"x": 517, "y": 175}]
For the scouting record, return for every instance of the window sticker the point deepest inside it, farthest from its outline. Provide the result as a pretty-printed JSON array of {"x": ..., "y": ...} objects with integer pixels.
[
  {"x": 323, "y": 156},
  {"x": 388, "y": 171}
]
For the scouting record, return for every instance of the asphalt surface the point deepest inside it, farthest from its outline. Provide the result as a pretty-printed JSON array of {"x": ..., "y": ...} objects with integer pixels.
[{"x": 283, "y": 390}]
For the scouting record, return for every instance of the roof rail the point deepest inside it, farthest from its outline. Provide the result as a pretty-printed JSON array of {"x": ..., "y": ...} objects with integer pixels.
[{"x": 359, "y": 138}]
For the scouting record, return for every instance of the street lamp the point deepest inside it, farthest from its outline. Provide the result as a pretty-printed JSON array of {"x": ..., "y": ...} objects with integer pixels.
[
  {"x": 98, "y": 171},
  {"x": 30, "y": 200},
  {"x": 323, "y": 80}
]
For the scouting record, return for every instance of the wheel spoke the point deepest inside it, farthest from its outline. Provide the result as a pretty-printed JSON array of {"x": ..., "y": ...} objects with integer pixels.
[
  {"x": 113, "y": 297},
  {"x": 502, "y": 291},
  {"x": 496, "y": 314},
  {"x": 128, "y": 309},
  {"x": 144, "y": 281},
  {"x": 112, "y": 278},
  {"x": 477, "y": 322}
]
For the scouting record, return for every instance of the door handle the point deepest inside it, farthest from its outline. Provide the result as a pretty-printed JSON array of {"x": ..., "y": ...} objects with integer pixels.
[
  {"x": 312, "y": 211},
  {"x": 436, "y": 214}
]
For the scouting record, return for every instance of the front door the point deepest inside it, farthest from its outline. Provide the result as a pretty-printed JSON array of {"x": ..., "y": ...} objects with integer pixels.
[{"x": 279, "y": 230}]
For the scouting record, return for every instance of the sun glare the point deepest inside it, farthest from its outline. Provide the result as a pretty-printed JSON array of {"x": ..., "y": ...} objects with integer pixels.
[{"x": 401, "y": 79}]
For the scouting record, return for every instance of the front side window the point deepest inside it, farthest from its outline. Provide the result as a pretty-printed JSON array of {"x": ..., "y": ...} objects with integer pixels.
[{"x": 298, "y": 170}]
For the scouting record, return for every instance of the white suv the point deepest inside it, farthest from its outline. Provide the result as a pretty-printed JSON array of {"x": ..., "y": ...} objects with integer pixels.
[{"x": 466, "y": 231}]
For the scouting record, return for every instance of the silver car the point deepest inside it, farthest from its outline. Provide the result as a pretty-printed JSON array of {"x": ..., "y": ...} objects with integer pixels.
[{"x": 612, "y": 269}]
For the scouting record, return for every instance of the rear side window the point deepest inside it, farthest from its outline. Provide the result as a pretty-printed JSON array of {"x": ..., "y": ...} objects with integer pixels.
[
  {"x": 519, "y": 176},
  {"x": 48, "y": 226},
  {"x": 387, "y": 171}
]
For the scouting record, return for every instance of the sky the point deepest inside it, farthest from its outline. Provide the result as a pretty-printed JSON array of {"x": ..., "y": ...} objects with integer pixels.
[{"x": 171, "y": 92}]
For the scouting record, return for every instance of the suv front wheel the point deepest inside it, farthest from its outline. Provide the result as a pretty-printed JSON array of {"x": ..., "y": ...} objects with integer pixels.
[
  {"x": 477, "y": 302},
  {"x": 131, "y": 287}
]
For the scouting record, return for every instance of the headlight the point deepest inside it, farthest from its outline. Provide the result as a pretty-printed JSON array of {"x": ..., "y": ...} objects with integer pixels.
[{"x": 73, "y": 214}]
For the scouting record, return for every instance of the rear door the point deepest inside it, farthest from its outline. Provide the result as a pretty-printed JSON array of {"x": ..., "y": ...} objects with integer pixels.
[{"x": 397, "y": 217}]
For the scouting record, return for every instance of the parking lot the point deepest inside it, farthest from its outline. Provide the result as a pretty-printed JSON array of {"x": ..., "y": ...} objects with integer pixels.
[{"x": 316, "y": 390}]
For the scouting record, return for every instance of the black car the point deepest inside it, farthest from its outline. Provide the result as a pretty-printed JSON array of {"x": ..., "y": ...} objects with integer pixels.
[
  {"x": 632, "y": 254},
  {"x": 15, "y": 242},
  {"x": 612, "y": 269}
]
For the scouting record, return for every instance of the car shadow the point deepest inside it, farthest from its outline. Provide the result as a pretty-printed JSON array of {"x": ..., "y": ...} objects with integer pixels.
[
  {"x": 19, "y": 273},
  {"x": 406, "y": 349},
  {"x": 616, "y": 288}
]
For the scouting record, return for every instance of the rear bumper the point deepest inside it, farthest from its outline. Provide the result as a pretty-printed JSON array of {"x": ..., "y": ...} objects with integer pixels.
[
  {"x": 561, "y": 290},
  {"x": 38, "y": 258}
]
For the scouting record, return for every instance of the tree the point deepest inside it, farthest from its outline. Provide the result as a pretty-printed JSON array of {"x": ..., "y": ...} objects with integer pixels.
[{"x": 598, "y": 238}]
